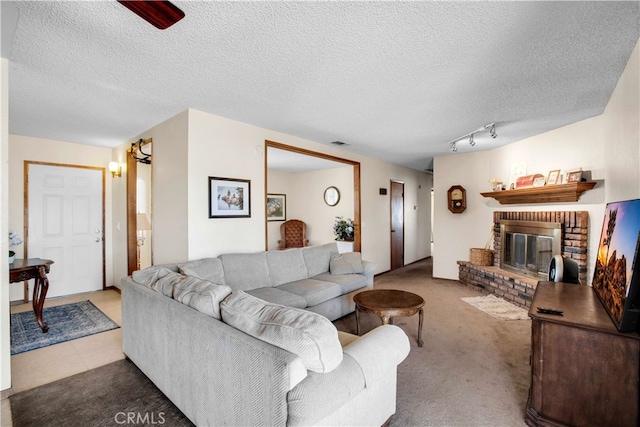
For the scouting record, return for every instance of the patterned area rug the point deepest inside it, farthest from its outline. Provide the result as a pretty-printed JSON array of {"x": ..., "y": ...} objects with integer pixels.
[
  {"x": 66, "y": 322},
  {"x": 497, "y": 307}
]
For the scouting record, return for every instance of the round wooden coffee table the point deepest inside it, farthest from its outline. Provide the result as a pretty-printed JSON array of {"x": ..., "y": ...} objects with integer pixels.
[{"x": 388, "y": 303}]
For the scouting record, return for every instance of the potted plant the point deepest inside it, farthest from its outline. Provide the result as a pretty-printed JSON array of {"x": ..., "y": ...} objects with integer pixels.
[
  {"x": 14, "y": 240},
  {"x": 343, "y": 230}
]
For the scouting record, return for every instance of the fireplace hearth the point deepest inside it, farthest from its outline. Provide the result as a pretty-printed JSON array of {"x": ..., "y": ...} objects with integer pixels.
[{"x": 516, "y": 287}]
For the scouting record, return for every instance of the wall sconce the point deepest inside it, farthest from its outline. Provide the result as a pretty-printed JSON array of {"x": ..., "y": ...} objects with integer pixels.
[{"x": 115, "y": 169}]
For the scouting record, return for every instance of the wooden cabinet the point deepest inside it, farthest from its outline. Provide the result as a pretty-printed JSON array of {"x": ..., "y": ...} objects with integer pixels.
[{"x": 583, "y": 371}]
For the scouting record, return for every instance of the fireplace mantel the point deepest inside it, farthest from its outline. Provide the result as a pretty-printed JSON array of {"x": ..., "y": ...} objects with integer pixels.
[{"x": 570, "y": 192}]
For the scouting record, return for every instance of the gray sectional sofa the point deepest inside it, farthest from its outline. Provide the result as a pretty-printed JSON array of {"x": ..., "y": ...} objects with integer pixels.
[
  {"x": 246, "y": 339},
  {"x": 316, "y": 278}
]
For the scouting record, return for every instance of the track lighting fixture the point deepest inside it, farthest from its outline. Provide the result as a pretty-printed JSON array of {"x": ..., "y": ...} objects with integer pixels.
[{"x": 491, "y": 127}]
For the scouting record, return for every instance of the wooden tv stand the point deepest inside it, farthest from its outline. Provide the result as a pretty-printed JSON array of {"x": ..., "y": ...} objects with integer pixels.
[{"x": 583, "y": 371}]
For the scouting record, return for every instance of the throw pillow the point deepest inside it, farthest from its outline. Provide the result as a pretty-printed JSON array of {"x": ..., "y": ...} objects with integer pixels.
[
  {"x": 309, "y": 335},
  {"x": 200, "y": 294},
  {"x": 151, "y": 276},
  {"x": 347, "y": 263}
]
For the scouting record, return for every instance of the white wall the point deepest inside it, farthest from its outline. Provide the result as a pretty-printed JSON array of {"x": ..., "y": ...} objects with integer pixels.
[
  {"x": 23, "y": 148},
  {"x": 5, "y": 331},
  {"x": 219, "y": 147},
  {"x": 621, "y": 135},
  {"x": 606, "y": 145},
  {"x": 305, "y": 201}
]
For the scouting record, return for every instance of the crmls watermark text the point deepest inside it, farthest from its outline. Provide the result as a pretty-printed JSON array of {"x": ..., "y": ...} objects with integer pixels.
[{"x": 147, "y": 418}]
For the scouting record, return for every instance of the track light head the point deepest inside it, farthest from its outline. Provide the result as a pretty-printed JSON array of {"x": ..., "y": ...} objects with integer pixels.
[
  {"x": 453, "y": 147},
  {"x": 492, "y": 131},
  {"x": 471, "y": 141}
]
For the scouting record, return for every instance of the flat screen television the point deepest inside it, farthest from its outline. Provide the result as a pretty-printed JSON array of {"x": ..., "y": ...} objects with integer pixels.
[{"x": 616, "y": 276}]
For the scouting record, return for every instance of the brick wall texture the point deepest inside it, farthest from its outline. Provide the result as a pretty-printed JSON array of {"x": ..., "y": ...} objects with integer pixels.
[{"x": 520, "y": 289}]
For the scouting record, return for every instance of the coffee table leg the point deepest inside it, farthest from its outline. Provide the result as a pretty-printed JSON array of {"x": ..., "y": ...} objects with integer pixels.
[
  {"x": 420, "y": 317},
  {"x": 357, "y": 321}
]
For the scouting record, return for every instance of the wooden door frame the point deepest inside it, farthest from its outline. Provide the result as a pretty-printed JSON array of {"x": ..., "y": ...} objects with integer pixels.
[
  {"x": 25, "y": 225},
  {"x": 357, "y": 246},
  {"x": 132, "y": 208},
  {"x": 391, "y": 220}
]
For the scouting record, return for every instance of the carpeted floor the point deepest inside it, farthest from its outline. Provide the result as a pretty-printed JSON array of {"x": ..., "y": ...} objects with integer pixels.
[
  {"x": 472, "y": 371},
  {"x": 111, "y": 395}
]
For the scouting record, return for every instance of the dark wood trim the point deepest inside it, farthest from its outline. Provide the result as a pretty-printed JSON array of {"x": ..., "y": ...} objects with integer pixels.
[
  {"x": 132, "y": 207},
  {"x": 570, "y": 192},
  {"x": 357, "y": 198},
  {"x": 25, "y": 225}
]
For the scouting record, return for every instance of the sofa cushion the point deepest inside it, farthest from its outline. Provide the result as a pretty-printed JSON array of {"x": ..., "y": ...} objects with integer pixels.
[
  {"x": 316, "y": 258},
  {"x": 347, "y": 282},
  {"x": 277, "y": 296},
  {"x": 347, "y": 263},
  {"x": 246, "y": 271},
  {"x": 310, "y": 336},
  {"x": 313, "y": 291},
  {"x": 208, "y": 269},
  {"x": 286, "y": 266},
  {"x": 200, "y": 294}
]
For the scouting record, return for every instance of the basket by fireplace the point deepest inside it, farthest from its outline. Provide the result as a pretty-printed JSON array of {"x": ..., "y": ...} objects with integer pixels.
[{"x": 480, "y": 256}]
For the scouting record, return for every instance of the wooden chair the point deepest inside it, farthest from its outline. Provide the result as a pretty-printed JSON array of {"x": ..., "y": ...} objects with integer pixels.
[{"x": 293, "y": 234}]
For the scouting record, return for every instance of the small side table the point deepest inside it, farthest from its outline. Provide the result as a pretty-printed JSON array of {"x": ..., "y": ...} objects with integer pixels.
[
  {"x": 33, "y": 268},
  {"x": 388, "y": 303}
]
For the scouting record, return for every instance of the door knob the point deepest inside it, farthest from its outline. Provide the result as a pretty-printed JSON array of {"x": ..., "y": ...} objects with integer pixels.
[{"x": 97, "y": 239}]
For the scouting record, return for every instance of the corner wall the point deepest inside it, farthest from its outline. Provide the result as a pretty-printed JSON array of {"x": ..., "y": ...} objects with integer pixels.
[
  {"x": 219, "y": 147},
  {"x": 5, "y": 309},
  {"x": 607, "y": 145}
]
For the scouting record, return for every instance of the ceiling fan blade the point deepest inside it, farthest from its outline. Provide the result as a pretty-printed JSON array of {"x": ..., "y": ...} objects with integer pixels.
[{"x": 160, "y": 14}]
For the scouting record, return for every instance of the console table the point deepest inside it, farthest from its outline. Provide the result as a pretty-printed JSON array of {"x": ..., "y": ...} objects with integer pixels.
[
  {"x": 583, "y": 371},
  {"x": 33, "y": 268}
]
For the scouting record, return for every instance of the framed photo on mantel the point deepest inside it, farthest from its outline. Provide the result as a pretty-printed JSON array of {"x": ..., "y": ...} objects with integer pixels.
[
  {"x": 552, "y": 179},
  {"x": 229, "y": 198}
]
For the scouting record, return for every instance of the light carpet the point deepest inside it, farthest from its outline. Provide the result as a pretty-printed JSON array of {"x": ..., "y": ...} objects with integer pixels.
[
  {"x": 66, "y": 322},
  {"x": 497, "y": 307}
]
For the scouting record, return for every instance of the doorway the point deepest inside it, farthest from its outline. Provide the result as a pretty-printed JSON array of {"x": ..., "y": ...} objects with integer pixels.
[
  {"x": 356, "y": 184},
  {"x": 397, "y": 224},
  {"x": 64, "y": 218}
]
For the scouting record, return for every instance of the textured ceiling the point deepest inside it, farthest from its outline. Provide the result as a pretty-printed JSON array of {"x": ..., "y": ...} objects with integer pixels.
[{"x": 394, "y": 80}]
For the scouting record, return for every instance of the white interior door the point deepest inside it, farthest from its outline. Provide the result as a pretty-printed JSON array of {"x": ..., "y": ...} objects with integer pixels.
[{"x": 65, "y": 226}]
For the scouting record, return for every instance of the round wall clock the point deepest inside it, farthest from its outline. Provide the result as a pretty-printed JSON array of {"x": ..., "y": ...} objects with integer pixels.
[
  {"x": 457, "y": 199},
  {"x": 331, "y": 196}
]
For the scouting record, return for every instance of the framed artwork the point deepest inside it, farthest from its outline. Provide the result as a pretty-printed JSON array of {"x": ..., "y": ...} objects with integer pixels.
[
  {"x": 616, "y": 275},
  {"x": 276, "y": 207},
  {"x": 552, "y": 179},
  {"x": 575, "y": 176},
  {"x": 229, "y": 198}
]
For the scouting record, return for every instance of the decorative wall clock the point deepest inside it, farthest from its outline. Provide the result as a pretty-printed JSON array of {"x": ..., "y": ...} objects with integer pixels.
[{"x": 457, "y": 199}]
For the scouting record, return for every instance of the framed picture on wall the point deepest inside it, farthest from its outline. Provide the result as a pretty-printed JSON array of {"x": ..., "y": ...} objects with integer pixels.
[
  {"x": 229, "y": 198},
  {"x": 276, "y": 207}
]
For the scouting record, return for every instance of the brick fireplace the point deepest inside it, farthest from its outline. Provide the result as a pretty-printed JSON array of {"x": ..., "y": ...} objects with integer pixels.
[{"x": 517, "y": 288}]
